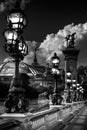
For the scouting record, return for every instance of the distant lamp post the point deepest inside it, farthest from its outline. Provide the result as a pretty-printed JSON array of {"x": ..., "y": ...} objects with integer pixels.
[
  {"x": 74, "y": 81},
  {"x": 55, "y": 61},
  {"x": 16, "y": 48},
  {"x": 81, "y": 91},
  {"x": 78, "y": 86},
  {"x": 69, "y": 82},
  {"x": 55, "y": 71},
  {"x": 74, "y": 85}
]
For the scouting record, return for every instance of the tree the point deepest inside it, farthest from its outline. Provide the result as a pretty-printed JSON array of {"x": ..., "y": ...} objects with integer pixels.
[
  {"x": 81, "y": 74},
  {"x": 82, "y": 78}
]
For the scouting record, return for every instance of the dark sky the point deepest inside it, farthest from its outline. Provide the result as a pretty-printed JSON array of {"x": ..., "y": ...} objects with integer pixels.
[{"x": 46, "y": 17}]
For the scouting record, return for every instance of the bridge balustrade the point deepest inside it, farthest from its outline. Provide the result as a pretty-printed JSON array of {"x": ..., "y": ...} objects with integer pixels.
[{"x": 41, "y": 120}]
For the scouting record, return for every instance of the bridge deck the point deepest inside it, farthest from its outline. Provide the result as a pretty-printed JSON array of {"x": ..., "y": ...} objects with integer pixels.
[{"x": 79, "y": 122}]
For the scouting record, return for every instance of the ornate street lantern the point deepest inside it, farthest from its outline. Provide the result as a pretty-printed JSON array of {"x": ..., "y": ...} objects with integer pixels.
[
  {"x": 55, "y": 64},
  {"x": 74, "y": 81},
  {"x": 78, "y": 84},
  {"x": 68, "y": 81},
  {"x": 68, "y": 74},
  {"x": 55, "y": 61},
  {"x": 11, "y": 36},
  {"x": 74, "y": 85},
  {"x": 16, "y": 19},
  {"x": 55, "y": 71}
]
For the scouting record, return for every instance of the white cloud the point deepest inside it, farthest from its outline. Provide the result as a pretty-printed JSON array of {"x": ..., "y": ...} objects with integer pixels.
[
  {"x": 29, "y": 58},
  {"x": 56, "y": 42}
]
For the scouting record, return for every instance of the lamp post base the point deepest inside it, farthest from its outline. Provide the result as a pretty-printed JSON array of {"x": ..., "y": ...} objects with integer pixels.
[
  {"x": 57, "y": 99},
  {"x": 16, "y": 101}
]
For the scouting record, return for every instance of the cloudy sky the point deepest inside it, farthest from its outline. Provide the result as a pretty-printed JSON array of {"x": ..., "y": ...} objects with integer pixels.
[{"x": 48, "y": 23}]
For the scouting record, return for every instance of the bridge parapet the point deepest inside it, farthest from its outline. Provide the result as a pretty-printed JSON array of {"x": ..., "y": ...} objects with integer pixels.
[{"x": 41, "y": 120}]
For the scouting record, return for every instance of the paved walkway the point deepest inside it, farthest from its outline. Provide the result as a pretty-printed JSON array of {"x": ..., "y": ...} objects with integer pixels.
[{"x": 79, "y": 122}]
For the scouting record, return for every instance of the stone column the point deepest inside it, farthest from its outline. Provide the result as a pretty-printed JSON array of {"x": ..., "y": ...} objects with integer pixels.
[{"x": 71, "y": 57}]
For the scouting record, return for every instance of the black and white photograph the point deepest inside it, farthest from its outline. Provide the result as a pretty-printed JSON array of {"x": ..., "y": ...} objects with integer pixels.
[{"x": 43, "y": 65}]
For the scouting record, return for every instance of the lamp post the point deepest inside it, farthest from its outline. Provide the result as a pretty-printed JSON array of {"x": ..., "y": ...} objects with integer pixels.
[
  {"x": 74, "y": 85},
  {"x": 77, "y": 89},
  {"x": 81, "y": 91},
  {"x": 16, "y": 48},
  {"x": 68, "y": 82},
  {"x": 55, "y": 72}
]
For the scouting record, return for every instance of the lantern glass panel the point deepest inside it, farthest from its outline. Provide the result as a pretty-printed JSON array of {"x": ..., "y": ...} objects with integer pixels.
[
  {"x": 10, "y": 35},
  {"x": 68, "y": 74},
  {"x": 78, "y": 84},
  {"x": 68, "y": 80},
  {"x": 15, "y": 18},
  {"x": 55, "y": 61},
  {"x": 23, "y": 48},
  {"x": 15, "y": 26},
  {"x": 74, "y": 85},
  {"x": 73, "y": 80},
  {"x": 55, "y": 71}
]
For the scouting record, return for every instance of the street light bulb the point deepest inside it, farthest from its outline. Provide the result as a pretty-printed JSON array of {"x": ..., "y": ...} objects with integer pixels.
[
  {"x": 73, "y": 80},
  {"x": 78, "y": 84},
  {"x": 80, "y": 87},
  {"x": 55, "y": 71},
  {"x": 58, "y": 71},
  {"x": 55, "y": 61},
  {"x": 68, "y": 74},
  {"x": 74, "y": 85},
  {"x": 77, "y": 88},
  {"x": 68, "y": 80}
]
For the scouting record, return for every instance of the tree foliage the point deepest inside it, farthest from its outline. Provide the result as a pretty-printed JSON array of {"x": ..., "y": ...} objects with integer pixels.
[
  {"x": 82, "y": 73},
  {"x": 82, "y": 78}
]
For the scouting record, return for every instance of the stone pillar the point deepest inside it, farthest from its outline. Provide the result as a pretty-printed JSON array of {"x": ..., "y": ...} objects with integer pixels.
[{"x": 71, "y": 57}]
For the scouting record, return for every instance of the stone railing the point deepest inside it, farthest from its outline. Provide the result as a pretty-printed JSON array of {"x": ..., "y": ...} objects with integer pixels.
[{"x": 40, "y": 120}]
